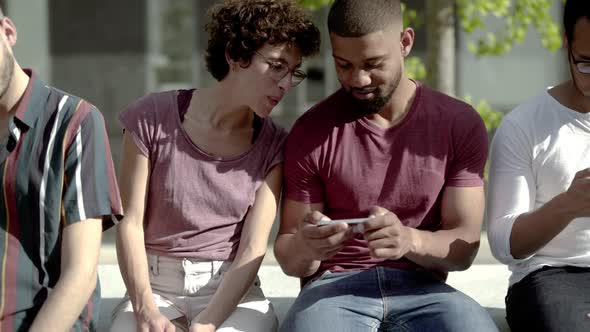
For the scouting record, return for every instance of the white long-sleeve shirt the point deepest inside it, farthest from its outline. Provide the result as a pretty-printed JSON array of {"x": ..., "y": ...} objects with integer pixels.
[{"x": 535, "y": 154}]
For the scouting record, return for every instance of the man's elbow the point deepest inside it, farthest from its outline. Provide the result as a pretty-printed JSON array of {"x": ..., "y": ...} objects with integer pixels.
[
  {"x": 285, "y": 260},
  {"x": 465, "y": 257},
  {"x": 462, "y": 265},
  {"x": 281, "y": 258},
  {"x": 502, "y": 255},
  {"x": 501, "y": 249},
  {"x": 291, "y": 271}
]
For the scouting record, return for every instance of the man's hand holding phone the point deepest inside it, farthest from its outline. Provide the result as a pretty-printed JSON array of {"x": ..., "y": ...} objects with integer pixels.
[
  {"x": 386, "y": 236},
  {"x": 321, "y": 237}
]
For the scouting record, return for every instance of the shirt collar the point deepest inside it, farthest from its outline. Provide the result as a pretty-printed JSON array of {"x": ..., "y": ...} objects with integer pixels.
[{"x": 31, "y": 105}]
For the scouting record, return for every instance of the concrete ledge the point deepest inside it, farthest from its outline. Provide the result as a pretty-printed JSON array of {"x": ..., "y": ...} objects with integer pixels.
[{"x": 486, "y": 283}]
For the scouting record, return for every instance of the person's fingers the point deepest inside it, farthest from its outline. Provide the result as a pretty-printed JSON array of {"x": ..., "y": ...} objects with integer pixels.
[
  {"x": 329, "y": 242},
  {"x": 379, "y": 233},
  {"x": 322, "y": 232},
  {"x": 377, "y": 211},
  {"x": 332, "y": 252},
  {"x": 315, "y": 217},
  {"x": 374, "y": 224},
  {"x": 170, "y": 327},
  {"x": 386, "y": 253}
]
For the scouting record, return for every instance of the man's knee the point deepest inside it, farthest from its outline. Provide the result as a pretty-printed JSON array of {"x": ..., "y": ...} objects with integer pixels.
[
  {"x": 454, "y": 312},
  {"x": 123, "y": 322},
  {"x": 252, "y": 316}
]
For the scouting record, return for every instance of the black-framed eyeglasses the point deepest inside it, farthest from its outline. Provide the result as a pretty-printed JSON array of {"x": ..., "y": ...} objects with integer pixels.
[
  {"x": 583, "y": 66},
  {"x": 279, "y": 69}
]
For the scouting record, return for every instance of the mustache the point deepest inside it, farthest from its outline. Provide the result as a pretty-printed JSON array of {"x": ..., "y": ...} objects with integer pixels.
[{"x": 364, "y": 90}]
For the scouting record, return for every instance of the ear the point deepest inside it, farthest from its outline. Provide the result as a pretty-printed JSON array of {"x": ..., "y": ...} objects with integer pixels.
[
  {"x": 407, "y": 41},
  {"x": 8, "y": 29},
  {"x": 232, "y": 64}
]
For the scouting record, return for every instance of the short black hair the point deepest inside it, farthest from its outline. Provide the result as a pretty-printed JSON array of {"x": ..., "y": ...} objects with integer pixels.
[
  {"x": 574, "y": 10},
  {"x": 355, "y": 18}
]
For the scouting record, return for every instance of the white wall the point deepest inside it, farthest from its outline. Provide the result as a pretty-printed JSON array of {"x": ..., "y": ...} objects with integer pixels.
[
  {"x": 510, "y": 79},
  {"x": 32, "y": 23}
]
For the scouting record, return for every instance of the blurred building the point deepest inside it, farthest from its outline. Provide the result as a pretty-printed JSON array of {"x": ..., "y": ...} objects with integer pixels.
[{"x": 112, "y": 52}]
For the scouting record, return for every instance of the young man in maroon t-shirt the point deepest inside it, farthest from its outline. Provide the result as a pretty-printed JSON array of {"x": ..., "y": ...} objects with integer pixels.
[{"x": 407, "y": 158}]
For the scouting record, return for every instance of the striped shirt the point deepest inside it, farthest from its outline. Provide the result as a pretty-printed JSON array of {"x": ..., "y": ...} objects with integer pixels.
[{"x": 55, "y": 169}]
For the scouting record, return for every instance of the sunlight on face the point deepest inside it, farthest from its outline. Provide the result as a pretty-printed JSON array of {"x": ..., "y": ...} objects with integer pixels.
[
  {"x": 369, "y": 67},
  {"x": 580, "y": 55},
  {"x": 270, "y": 74}
]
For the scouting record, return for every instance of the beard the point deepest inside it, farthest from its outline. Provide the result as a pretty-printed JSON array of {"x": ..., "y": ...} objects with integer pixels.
[
  {"x": 6, "y": 69},
  {"x": 583, "y": 92},
  {"x": 373, "y": 105},
  {"x": 382, "y": 96}
]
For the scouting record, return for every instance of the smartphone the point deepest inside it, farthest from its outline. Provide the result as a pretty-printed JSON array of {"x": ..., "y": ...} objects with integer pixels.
[{"x": 348, "y": 221}]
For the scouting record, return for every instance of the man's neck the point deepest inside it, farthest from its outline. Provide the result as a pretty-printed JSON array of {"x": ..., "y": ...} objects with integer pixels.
[
  {"x": 398, "y": 107},
  {"x": 568, "y": 95},
  {"x": 16, "y": 89}
]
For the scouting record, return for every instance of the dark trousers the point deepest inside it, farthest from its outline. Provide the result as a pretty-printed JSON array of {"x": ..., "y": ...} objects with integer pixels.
[{"x": 550, "y": 299}]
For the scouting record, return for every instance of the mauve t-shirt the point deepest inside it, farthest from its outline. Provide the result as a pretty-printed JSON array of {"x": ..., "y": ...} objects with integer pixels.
[
  {"x": 196, "y": 203},
  {"x": 336, "y": 156}
]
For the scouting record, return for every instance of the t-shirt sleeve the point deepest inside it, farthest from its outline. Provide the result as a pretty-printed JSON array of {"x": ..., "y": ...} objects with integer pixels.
[
  {"x": 90, "y": 187},
  {"x": 303, "y": 181},
  {"x": 512, "y": 188},
  {"x": 138, "y": 120},
  {"x": 470, "y": 146}
]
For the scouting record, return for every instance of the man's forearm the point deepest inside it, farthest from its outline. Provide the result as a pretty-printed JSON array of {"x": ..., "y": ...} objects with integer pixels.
[
  {"x": 293, "y": 259},
  {"x": 65, "y": 302},
  {"x": 533, "y": 230},
  {"x": 444, "y": 250}
]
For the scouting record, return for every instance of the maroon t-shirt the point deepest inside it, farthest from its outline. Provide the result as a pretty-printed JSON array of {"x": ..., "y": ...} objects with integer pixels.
[
  {"x": 336, "y": 156},
  {"x": 196, "y": 203}
]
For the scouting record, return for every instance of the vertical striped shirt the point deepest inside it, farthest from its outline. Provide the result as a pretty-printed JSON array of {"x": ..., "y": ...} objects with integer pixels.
[{"x": 56, "y": 169}]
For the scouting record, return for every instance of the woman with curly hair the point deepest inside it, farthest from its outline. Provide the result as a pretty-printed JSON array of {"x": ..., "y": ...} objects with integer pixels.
[{"x": 201, "y": 178}]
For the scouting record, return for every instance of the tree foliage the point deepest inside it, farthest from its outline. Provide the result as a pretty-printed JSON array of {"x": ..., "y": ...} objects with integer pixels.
[
  {"x": 516, "y": 16},
  {"x": 513, "y": 19}
]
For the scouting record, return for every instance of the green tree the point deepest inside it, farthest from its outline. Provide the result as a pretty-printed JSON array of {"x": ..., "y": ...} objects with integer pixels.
[{"x": 517, "y": 17}]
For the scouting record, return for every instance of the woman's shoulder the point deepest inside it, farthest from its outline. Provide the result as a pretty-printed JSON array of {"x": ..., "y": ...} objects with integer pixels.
[
  {"x": 275, "y": 131},
  {"x": 150, "y": 106}
]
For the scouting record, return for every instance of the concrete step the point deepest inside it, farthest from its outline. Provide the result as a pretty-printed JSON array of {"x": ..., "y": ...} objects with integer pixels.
[{"x": 486, "y": 283}]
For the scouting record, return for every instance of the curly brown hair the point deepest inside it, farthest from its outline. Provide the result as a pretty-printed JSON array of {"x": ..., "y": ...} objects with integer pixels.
[{"x": 244, "y": 26}]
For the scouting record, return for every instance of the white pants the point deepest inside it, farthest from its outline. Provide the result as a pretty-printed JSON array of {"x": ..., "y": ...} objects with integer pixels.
[{"x": 183, "y": 287}]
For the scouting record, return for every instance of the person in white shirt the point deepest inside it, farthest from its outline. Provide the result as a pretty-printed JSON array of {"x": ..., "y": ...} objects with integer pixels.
[{"x": 539, "y": 195}]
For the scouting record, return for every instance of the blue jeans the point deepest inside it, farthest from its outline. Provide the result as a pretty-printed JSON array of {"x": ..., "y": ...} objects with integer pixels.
[
  {"x": 384, "y": 299},
  {"x": 549, "y": 300}
]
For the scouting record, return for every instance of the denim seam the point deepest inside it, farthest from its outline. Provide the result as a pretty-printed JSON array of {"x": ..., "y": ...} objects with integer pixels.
[
  {"x": 400, "y": 325},
  {"x": 385, "y": 309}
]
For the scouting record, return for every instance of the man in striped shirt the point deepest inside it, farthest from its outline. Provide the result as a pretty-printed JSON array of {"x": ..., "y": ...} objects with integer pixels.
[{"x": 58, "y": 192}]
